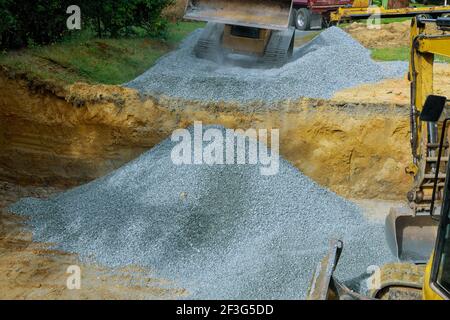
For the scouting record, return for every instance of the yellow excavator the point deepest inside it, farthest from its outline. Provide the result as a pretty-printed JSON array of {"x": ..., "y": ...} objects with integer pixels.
[
  {"x": 411, "y": 231},
  {"x": 419, "y": 235},
  {"x": 259, "y": 28}
]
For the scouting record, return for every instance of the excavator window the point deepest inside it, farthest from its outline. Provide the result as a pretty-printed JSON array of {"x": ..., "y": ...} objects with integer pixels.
[
  {"x": 443, "y": 276},
  {"x": 441, "y": 265}
]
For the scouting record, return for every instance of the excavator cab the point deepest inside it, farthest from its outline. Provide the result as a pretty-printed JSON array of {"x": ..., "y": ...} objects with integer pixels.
[
  {"x": 258, "y": 28},
  {"x": 411, "y": 231}
]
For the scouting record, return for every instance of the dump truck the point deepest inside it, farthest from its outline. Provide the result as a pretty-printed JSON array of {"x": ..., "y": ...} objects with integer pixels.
[
  {"x": 259, "y": 28},
  {"x": 347, "y": 14},
  {"x": 311, "y": 14}
]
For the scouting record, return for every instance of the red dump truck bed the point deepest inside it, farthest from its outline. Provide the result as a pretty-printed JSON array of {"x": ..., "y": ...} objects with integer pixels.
[
  {"x": 320, "y": 6},
  {"x": 315, "y": 13}
]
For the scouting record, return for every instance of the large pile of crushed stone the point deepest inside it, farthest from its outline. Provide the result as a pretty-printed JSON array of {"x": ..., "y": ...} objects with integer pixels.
[
  {"x": 330, "y": 62},
  {"x": 222, "y": 231}
]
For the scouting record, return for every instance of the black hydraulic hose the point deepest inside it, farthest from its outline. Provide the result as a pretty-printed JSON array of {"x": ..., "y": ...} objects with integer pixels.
[
  {"x": 412, "y": 111},
  {"x": 436, "y": 175}
]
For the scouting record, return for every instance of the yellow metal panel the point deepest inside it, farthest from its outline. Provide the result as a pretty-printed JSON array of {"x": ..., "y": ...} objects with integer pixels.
[
  {"x": 360, "y": 3},
  {"x": 244, "y": 44},
  {"x": 349, "y": 13},
  {"x": 438, "y": 45},
  {"x": 427, "y": 292},
  {"x": 424, "y": 77},
  {"x": 421, "y": 77}
]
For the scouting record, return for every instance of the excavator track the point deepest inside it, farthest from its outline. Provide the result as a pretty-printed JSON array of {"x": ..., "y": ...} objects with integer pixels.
[
  {"x": 209, "y": 45},
  {"x": 279, "y": 49}
]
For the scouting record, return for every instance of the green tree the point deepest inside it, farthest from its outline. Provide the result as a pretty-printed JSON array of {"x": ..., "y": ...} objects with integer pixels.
[{"x": 26, "y": 22}]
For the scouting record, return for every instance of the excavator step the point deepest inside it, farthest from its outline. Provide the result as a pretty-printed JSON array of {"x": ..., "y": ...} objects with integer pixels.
[
  {"x": 436, "y": 145},
  {"x": 434, "y": 159},
  {"x": 208, "y": 45},
  {"x": 432, "y": 176},
  {"x": 279, "y": 49},
  {"x": 440, "y": 184}
]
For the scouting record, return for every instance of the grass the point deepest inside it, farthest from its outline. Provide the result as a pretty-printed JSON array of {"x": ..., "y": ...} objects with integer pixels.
[
  {"x": 392, "y": 20},
  {"x": 398, "y": 53},
  {"x": 390, "y": 54},
  {"x": 382, "y": 21},
  {"x": 93, "y": 60}
]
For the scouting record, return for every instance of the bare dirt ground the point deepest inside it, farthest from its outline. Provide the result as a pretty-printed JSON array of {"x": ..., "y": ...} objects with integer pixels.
[
  {"x": 30, "y": 270},
  {"x": 390, "y": 35},
  {"x": 394, "y": 34},
  {"x": 395, "y": 91},
  {"x": 392, "y": 91}
]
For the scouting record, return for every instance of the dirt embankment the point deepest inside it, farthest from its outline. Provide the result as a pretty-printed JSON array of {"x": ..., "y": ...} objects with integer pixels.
[
  {"x": 33, "y": 271},
  {"x": 357, "y": 150},
  {"x": 30, "y": 270},
  {"x": 394, "y": 90},
  {"x": 389, "y": 35}
]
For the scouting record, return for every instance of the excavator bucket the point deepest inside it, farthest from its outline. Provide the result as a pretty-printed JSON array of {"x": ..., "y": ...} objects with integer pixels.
[
  {"x": 322, "y": 283},
  {"x": 264, "y": 14},
  {"x": 324, "y": 286},
  {"x": 410, "y": 237}
]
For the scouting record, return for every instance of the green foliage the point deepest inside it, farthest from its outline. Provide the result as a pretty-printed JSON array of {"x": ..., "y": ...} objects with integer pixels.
[
  {"x": 31, "y": 22},
  {"x": 82, "y": 57},
  {"x": 399, "y": 53},
  {"x": 114, "y": 18},
  {"x": 39, "y": 22}
]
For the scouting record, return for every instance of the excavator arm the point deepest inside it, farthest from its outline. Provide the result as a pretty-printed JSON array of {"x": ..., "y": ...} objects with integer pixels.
[
  {"x": 424, "y": 47},
  {"x": 411, "y": 232}
]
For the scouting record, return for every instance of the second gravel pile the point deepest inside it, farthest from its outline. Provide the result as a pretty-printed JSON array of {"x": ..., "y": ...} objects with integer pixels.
[
  {"x": 221, "y": 232},
  {"x": 330, "y": 62}
]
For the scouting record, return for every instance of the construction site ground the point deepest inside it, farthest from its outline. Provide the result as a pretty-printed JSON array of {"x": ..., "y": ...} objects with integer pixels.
[{"x": 356, "y": 144}]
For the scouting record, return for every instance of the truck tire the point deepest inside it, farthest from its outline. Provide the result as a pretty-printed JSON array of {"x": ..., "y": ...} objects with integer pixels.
[
  {"x": 303, "y": 19},
  {"x": 293, "y": 17},
  {"x": 424, "y": 16}
]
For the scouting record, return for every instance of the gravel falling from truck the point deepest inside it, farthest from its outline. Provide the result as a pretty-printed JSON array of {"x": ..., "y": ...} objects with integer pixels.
[
  {"x": 221, "y": 231},
  {"x": 330, "y": 62}
]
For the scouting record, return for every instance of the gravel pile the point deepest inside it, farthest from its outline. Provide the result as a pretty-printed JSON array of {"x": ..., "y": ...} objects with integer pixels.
[
  {"x": 330, "y": 62},
  {"x": 222, "y": 231}
]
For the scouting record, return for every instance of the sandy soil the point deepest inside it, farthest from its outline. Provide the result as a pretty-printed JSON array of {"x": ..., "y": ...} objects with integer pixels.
[
  {"x": 30, "y": 270},
  {"x": 390, "y": 35},
  {"x": 395, "y": 91}
]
